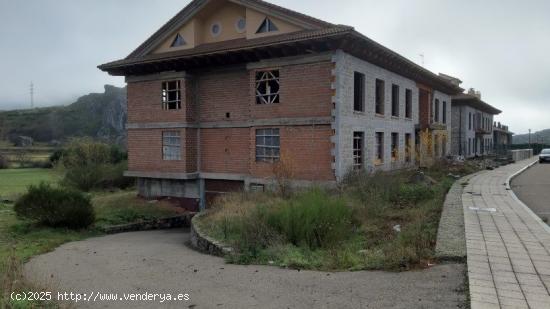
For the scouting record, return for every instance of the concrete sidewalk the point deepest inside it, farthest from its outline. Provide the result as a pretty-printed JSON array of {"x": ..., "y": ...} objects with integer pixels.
[{"x": 508, "y": 247}]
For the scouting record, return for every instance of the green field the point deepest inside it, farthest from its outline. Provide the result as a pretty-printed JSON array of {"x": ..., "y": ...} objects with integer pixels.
[{"x": 15, "y": 181}]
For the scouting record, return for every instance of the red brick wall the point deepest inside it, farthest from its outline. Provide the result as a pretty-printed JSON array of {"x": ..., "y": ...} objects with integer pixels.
[
  {"x": 225, "y": 150},
  {"x": 145, "y": 152},
  {"x": 223, "y": 92},
  {"x": 305, "y": 91},
  {"x": 145, "y": 103},
  {"x": 306, "y": 149},
  {"x": 424, "y": 106},
  {"x": 191, "y": 150}
]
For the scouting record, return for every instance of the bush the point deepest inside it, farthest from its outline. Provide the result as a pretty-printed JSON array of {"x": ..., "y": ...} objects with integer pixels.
[
  {"x": 94, "y": 165},
  {"x": 55, "y": 207},
  {"x": 314, "y": 219},
  {"x": 56, "y": 156},
  {"x": 3, "y": 162}
]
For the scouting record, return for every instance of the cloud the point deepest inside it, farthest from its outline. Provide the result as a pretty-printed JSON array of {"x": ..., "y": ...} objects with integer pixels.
[{"x": 496, "y": 46}]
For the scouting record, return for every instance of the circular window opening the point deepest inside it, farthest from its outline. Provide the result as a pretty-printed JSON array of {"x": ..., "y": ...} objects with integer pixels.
[
  {"x": 216, "y": 29},
  {"x": 240, "y": 25}
]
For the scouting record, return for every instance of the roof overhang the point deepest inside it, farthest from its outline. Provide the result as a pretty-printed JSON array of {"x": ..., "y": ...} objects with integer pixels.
[
  {"x": 475, "y": 102},
  {"x": 304, "y": 42}
]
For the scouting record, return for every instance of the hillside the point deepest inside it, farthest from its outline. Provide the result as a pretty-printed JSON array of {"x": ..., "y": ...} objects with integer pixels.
[
  {"x": 542, "y": 137},
  {"x": 99, "y": 115}
]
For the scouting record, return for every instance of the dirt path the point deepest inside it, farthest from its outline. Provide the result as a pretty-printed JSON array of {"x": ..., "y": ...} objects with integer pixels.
[{"x": 159, "y": 262}]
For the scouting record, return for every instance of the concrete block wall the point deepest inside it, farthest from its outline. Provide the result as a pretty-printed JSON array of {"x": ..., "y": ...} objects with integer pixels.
[
  {"x": 442, "y": 97},
  {"x": 347, "y": 121},
  {"x": 460, "y": 117}
]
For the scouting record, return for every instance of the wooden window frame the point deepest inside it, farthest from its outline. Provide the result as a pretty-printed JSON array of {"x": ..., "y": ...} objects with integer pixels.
[
  {"x": 268, "y": 145},
  {"x": 265, "y": 80},
  {"x": 358, "y": 150},
  {"x": 171, "y": 145},
  {"x": 169, "y": 88}
]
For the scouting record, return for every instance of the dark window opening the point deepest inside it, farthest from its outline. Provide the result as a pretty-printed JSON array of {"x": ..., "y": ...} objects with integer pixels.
[
  {"x": 379, "y": 146},
  {"x": 379, "y": 108},
  {"x": 395, "y": 100},
  {"x": 178, "y": 41},
  {"x": 408, "y": 147},
  {"x": 408, "y": 103},
  {"x": 395, "y": 146},
  {"x": 267, "y": 87},
  {"x": 436, "y": 116},
  {"x": 267, "y": 26},
  {"x": 444, "y": 112},
  {"x": 358, "y": 92},
  {"x": 171, "y": 95}
]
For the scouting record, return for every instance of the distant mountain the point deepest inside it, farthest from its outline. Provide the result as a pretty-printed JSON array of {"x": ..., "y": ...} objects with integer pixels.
[
  {"x": 98, "y": 115},
  {"x": 537, "y": 137}
]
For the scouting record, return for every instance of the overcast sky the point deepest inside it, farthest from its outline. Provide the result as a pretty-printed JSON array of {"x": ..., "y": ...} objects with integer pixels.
[{"x": 499, "y": 47}]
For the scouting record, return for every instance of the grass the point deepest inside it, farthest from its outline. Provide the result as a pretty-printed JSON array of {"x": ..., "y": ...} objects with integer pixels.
[
  {"x": 15, "y": 181},
  {"x": 393, "y": 221},
  {"x": 21, "y": 240},
  {"x": 125, "y": 207}
]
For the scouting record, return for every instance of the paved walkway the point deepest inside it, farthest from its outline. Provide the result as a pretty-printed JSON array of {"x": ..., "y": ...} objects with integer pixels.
[
  {"x": 508, "y": 247},
  {"x": 159, "y": 262}
]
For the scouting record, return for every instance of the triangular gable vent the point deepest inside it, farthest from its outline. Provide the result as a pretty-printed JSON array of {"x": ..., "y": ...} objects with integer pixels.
[
  {"x": 267, "y": 26},
  {"x": 178, "y": 41}
]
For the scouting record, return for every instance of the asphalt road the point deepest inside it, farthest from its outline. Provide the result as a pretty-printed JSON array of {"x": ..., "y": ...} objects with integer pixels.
[
  {"x": 532, "y": 187},
  {"x": 160, "y": 262}
]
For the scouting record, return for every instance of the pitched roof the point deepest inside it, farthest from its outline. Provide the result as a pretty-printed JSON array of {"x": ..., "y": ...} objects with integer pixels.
[
  {"x": 231, "y": 45},
  {"x": 475, "y": 102},
  {"x": 192, "y": 8},
  {"x": 335, "y": 37}
]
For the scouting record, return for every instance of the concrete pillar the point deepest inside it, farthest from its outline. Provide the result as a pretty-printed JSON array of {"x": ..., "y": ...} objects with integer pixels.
[{"x": 202, "y": 195}]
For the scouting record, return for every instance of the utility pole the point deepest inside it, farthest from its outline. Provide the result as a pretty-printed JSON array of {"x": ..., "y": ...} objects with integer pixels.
[
  {"x": 529, "y": 138},
  {"x": 32, "y": 95}
]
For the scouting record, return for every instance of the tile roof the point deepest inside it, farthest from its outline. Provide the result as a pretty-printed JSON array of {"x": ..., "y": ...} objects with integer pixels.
[
  {"x": 475, "y": 102},
  {"x": 234, "y": 45}
]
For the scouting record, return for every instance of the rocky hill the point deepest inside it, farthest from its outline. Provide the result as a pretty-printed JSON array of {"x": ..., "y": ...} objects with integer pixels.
[
  {"x": 98, "y": 115},
  {"x": 542, "y": 137}
]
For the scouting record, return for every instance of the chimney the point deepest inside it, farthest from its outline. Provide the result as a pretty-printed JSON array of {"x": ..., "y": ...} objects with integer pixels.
[
  {"x": 451, "y": 79},
  {"x": 474, "y": 93}
]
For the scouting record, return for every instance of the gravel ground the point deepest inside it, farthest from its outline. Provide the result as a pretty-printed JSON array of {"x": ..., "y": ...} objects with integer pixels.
[{"x": 160, "y": 262}]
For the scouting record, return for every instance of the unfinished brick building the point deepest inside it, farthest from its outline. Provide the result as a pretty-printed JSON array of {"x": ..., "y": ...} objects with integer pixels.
[{"x": 228, "y": 91}]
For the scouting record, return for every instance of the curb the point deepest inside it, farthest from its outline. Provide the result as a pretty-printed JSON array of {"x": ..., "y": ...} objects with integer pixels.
[
  {"x": 158, "y": 224},
  {"x": 203, "y": 243},
  {"x": 529, "y": 211},
  {"x": 451, "y": 234}
]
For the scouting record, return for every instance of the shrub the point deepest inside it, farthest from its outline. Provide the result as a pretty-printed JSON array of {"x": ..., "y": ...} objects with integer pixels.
[
  {"x": 56, "y": 156},
  {"x": 113, "y": 176},
  {"x": 55, "y": 207},
  {"x": 118, "y": 154},
  {"x": 314, "y": 219},
  {"x": 3, "y": 162},
  {"x": 94, "y": 165}
]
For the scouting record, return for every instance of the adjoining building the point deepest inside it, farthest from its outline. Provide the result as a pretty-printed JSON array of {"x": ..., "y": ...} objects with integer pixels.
[
  {"x": 502, "y": 138},
  {"x": 233, "y": 94},
  {"x": 472, "y": 121}
]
